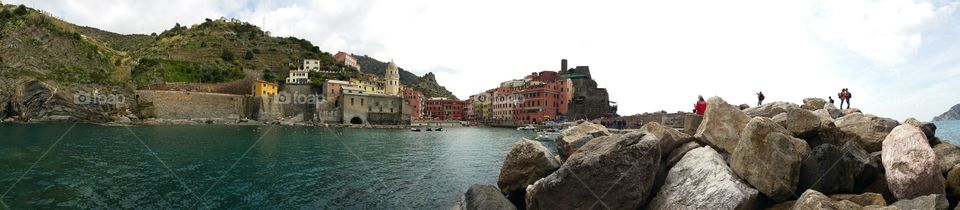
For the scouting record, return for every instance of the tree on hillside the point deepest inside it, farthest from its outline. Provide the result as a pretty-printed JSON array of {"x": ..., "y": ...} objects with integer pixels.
[
  {"x": 21, "y": 10},
  {"x": 248, "y": 55},
  {"x": 269, "y": 76},
  {"x": 5, "y": 13},
  {"x": 227, "y": 56}
]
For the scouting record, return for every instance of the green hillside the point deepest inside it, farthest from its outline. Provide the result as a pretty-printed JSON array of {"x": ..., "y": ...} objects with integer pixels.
[
  {"x": 39, "y": 46},
  {"x": 45, "y": 60}
]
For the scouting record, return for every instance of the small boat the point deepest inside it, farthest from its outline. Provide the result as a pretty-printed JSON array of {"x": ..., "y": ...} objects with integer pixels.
[
  {"x": 548, "y": 135},
  {"x": 415, "y": 129},
  {"x": 527, "y": 128},
  {"x": 429, "y": 129},
  {"x": 439, "y": 129}
]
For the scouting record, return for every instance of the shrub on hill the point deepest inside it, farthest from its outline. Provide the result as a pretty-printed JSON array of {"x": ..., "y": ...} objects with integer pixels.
[{"x": 150, "y": 70}]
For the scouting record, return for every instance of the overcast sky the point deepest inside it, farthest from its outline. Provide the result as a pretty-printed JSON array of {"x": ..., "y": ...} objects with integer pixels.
[{"x": 899, "y": 58}]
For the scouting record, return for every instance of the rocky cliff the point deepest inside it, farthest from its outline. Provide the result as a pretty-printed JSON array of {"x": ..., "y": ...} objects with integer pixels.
[
  {"x": 427, "y": 84},
  {"x": 952, "y": 114}
]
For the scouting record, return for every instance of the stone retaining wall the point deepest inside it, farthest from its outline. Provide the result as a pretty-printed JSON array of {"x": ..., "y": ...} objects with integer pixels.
[{"x": 191, "y": 105}]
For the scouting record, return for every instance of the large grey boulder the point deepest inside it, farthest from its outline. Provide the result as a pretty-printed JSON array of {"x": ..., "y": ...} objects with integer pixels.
[
  {"x": 527, "y": 162},
  {"x": 768, "y": 158},
  {"x": 870, "y": 130},
  {"x": 927, "y": 202},
  {"x": 948, "y": 155},
  {"x": 811, "y": 199},
  {"x": 832, "y": 169},
  {"x": 953, "y": 181},
  {"x": 721, "y": 125},
  {"x": 669, "y": 138},
  {"x": 702, "y": 180},
  {"x": 813, "y": 103},
  {"x": 781, "y": 119},
  {"x": 865, "y": 199},
  {"x": 823, "y": 114},
  {"x": 677, "y": 154},
  {"x": 912, "y": 169},
  {"x": 606, "y": 173},
  {"x": 929, "y": 129},
  {"x": 833, "y": 110},
  {"x": 769, "y": 109},
  {"x": 573, "y": 137},
  {"x": 484, "y": 197},
  {"x": 802, "y": 122}
]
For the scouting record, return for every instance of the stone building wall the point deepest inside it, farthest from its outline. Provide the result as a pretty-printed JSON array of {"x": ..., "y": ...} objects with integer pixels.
[
  {"x": 588, "y": 101},
  {"x": 299, "y": 101},
  {"x": 239, "y": 87},
  {"x": 192, "y": 105},
  {"x": 371, "y": 109}
]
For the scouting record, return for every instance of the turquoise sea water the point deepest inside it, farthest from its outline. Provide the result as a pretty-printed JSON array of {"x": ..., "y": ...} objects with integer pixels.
[
  {"x": 949, "y": 130},
  {"x": 246, "y": 167}
]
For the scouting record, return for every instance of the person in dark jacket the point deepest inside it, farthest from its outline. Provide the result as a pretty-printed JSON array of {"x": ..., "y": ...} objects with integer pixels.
[{"x": 760, "y": 98}]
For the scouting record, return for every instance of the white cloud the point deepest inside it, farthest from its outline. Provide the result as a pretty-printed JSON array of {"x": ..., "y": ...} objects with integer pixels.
[{"x": 885, "y": 31}]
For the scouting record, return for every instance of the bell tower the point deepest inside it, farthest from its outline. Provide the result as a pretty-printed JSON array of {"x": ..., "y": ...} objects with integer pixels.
[{"x": 392, "y": 79}]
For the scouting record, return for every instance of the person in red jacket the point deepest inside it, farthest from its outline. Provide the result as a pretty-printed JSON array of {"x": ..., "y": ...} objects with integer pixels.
[{"x": 700, "y": 107}]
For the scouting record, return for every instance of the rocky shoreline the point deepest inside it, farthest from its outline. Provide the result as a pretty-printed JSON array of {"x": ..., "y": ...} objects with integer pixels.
[{"x": 776, "y": 156}]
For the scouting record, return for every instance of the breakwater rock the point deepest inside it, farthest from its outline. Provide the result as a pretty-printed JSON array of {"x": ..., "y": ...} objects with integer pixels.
[{"x": 779, "y": 155}]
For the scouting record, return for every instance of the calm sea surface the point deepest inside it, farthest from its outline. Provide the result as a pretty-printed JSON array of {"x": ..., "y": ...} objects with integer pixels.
[
  {"x": 246, "y": 167},
  {"x": 949, "y": 130}
]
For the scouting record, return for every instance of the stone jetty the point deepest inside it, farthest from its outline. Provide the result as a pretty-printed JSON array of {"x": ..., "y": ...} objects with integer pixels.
[{"x": 779, "y": 155}]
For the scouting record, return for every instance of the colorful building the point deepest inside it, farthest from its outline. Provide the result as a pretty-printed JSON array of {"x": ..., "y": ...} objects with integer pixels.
[
  {"x": 443, "y": 109},
  {"x": 504, "y": 102},
  {"x": 541, "y": 102},
  {"x": 264, "y": 88},
  {"x": 332, "y": 89},
  {"x": 347, "y": 59},
  {"x": 415, "y": 100},
  {"x": 371, "y": 85},
  {"x": 538, "y": 97},
  {"x": 481, "y": 105},
  {"x": 298, "y": 77}
]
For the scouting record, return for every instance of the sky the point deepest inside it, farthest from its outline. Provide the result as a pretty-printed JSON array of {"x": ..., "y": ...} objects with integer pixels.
[{"x": 898, "y": 58}]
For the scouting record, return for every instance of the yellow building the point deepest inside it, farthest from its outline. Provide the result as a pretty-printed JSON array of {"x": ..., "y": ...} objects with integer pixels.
[
  {"x": 264, "y": 88},
  {"x": 370, "y": 86}
]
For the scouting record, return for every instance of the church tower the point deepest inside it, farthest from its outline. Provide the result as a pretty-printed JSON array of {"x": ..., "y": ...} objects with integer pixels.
[{"x": 392, "y": 79}]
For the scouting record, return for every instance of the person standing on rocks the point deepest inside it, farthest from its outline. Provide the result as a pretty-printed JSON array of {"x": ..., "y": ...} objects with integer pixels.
[
  {"x": 845, "y": 96},
  {"x": 760, "y": 98},
  {"x": 700, "y": 107}
]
